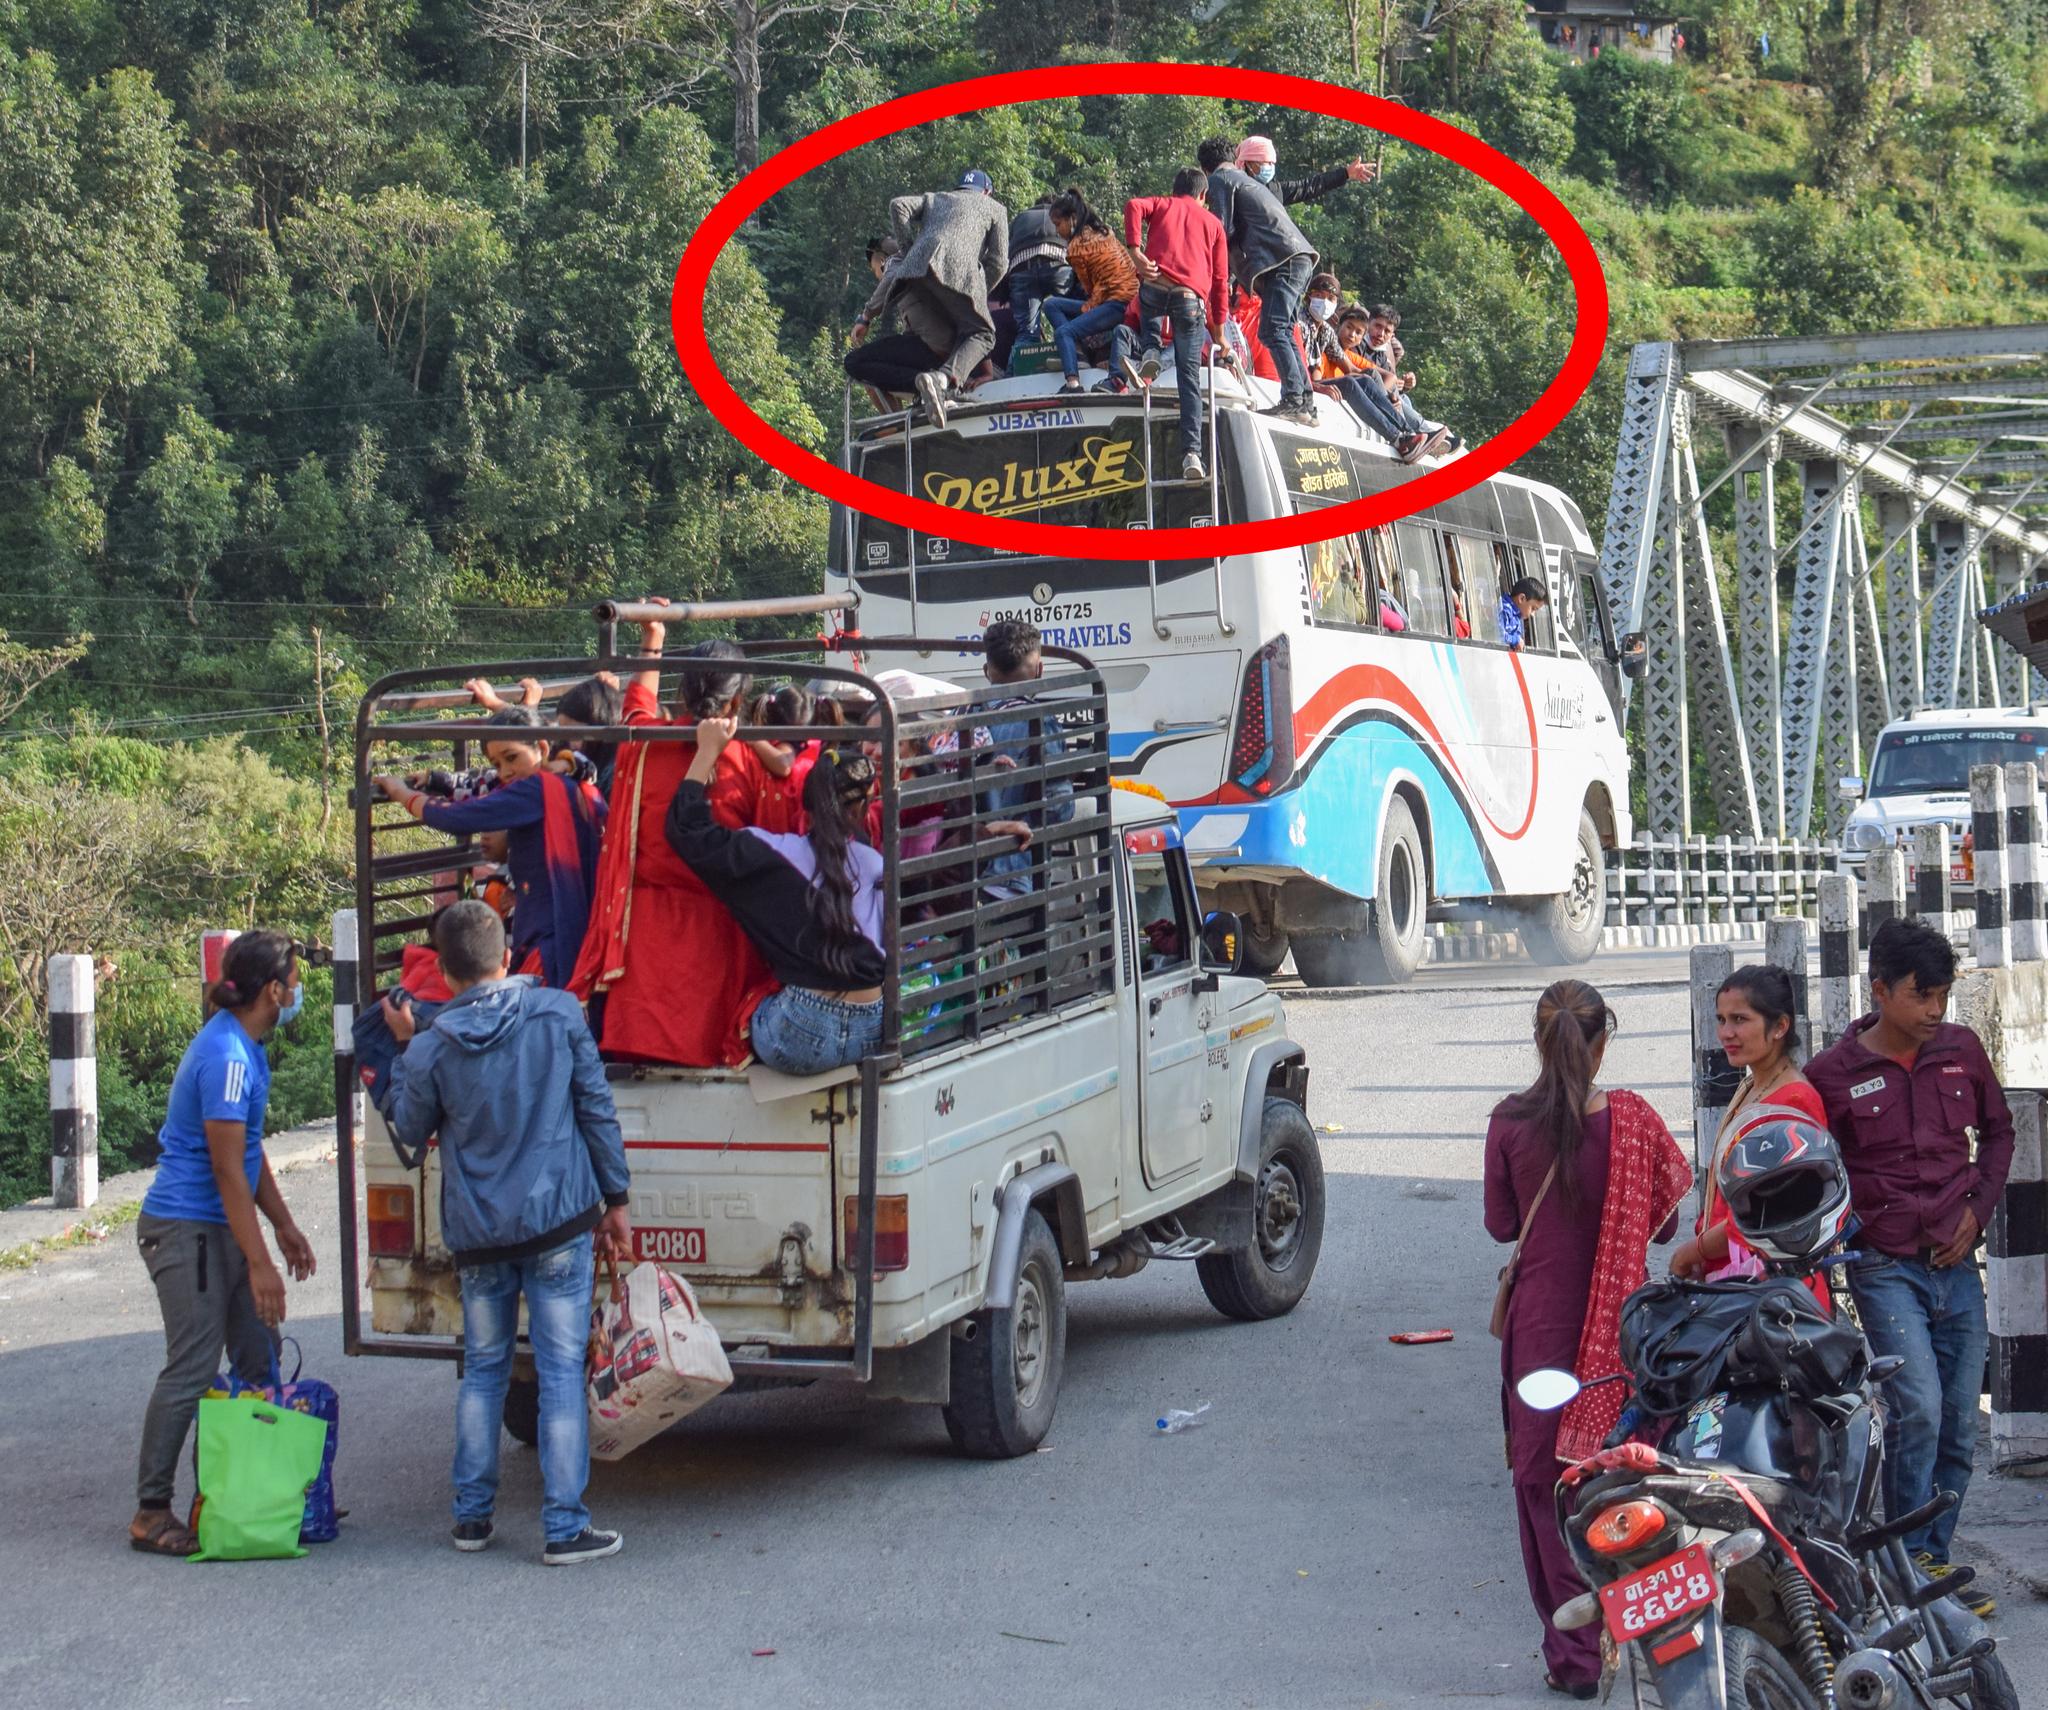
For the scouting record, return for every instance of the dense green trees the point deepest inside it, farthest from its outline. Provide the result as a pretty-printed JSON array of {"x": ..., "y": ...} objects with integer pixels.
[{"x": 303, "y": 375}]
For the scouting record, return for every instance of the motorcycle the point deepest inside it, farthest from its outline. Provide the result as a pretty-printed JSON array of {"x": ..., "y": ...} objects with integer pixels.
[{"x": 1738, "y": 1560}]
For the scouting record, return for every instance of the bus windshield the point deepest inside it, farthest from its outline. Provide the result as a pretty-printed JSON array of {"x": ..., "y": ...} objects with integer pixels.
[{"x": 1938, "y": 762}]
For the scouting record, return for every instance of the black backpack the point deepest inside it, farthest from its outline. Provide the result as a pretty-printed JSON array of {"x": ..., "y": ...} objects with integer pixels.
[{"x": 1683, "y": 1341}]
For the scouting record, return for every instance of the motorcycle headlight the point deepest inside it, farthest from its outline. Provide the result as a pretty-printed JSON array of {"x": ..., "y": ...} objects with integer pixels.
[{"x": 1867, "y": 836}]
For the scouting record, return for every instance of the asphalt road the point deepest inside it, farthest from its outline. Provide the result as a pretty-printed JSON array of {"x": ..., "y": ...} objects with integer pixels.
[{"x": 1336, "y": 1532}]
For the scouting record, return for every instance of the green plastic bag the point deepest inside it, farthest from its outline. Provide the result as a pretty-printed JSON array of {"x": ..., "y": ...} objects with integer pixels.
[{"x": 255, "y": 1461}]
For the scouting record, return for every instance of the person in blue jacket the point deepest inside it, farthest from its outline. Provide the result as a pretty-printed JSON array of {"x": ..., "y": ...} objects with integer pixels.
[
  {"x": 215, "y": 1280},
  {"x": 533, "y": 1175}
]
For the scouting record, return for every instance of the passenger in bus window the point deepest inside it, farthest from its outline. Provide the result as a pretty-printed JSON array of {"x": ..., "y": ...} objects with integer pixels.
[
  {"x": 1421, "y": 589},
  {"x": 1518, "y": 609},
  {"x": 1461, "y": 609}
]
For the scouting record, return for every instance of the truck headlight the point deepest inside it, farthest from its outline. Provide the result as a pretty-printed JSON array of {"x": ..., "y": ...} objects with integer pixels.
[{"x": 1867, "y": 835}]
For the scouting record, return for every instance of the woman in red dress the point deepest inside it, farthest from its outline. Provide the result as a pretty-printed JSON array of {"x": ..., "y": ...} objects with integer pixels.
[{"x": 668, "y": 973}]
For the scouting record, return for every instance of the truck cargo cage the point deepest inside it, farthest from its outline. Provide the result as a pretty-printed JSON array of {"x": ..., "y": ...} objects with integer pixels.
[{"x": 979, "y": 933}]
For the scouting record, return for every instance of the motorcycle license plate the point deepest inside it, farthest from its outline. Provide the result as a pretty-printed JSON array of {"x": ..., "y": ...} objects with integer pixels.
[{"x": 1662, "y": 1592}]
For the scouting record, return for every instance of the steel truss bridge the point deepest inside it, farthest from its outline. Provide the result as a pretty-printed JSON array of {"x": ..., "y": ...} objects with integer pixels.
[{"x": 1895, "y": 555}]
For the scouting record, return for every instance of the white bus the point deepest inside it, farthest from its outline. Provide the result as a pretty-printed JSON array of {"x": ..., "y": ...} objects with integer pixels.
[{"x": 1353, "y": 750}]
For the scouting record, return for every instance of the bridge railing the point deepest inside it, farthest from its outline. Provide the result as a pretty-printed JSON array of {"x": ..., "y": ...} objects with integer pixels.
[{"x": 1715, "y": 881}]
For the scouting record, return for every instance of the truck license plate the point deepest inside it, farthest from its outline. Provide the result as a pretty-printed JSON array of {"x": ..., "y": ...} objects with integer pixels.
[
  {"x": 676, "y": 1246},
  {"x": 1660, "y": 1593}
]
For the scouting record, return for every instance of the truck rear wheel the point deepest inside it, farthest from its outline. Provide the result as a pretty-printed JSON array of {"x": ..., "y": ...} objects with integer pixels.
[
  {"x": 1268, "y": 1277},
  {"x": 1006, "y": 1376},
  {"x": 522, "y": 1409},
  {"x": 1565, "y": 930}
]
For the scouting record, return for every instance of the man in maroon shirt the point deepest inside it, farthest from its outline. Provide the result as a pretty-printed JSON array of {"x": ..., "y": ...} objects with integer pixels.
[{"x": 1906, "y": 1094}]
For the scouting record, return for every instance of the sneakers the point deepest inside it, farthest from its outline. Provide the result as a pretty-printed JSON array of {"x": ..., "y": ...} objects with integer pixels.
[
  {"x": 1969, "y": 1594},
  {"x": 1117, "y": 384},
  {"x": 588, "y": 1545},
  {"x": 1143, "y": 371},
  {"x": 473, "y": 1535},
  {"x": 1191, "y": 468},
  {"x": 931, "y": 392},
  {"x": 1417, "y": 446},
  {"x": 1069, "y": 390},
  {"x": 1298, "y": 410}
]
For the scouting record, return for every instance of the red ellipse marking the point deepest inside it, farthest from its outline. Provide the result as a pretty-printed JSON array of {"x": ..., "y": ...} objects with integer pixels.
[{"x": 693, "y": 276}]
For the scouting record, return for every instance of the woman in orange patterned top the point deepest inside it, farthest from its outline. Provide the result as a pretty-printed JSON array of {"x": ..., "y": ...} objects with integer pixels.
[{"x": 1102, "y": 267}]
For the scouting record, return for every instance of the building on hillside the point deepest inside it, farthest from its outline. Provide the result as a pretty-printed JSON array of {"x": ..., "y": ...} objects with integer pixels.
[{"x": 1586, "y": 28}]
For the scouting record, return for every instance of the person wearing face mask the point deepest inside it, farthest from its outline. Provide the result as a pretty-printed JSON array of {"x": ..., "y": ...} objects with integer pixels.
[
  {"x": 216, "y": 1283},
  {"x": 1269, "y": 256}
]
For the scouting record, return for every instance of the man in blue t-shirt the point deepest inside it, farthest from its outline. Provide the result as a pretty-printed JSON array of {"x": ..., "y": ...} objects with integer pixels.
[{"x": 216, "y": 1283}]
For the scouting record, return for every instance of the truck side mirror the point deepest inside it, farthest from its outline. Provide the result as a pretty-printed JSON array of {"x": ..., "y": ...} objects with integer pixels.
[
  {"x": 1851, "y": 789},
  {"x": 1635, "y": 657},
  {"x": 1222, "y": 941}
]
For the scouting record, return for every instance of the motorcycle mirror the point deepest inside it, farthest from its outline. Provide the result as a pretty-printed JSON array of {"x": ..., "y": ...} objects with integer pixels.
[{"x": 1547, "y": 1389}]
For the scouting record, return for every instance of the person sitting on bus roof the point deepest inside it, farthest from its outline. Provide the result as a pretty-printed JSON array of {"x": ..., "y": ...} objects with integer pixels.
[
  {"x": 553, "y": 830},
  {"x": 1269, "y": 256},
  {"x": 956, "y": 245},
  {"x": 1517, "y": 606},
  {"x": 1384, "y": 351},
  {"x": 669, "y": 976},
  {"x": 811, "y": 905},
  {"x": 1101, "y": 268},
  {"x": 890, "y": 365},
  {"x": 1345, "y": 372},
  {"x": 1040, "y": 270},
  {"x": 1184, "y": 274}
]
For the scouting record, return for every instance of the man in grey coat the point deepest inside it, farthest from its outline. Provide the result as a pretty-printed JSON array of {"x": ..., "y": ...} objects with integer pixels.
[{"x": 956, "y": 245}]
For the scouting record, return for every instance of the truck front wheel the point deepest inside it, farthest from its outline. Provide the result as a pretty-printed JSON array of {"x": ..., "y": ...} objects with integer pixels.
[
  {"x": 1266, "y": 1278},
  {"x": 1006, "y": 1375}
]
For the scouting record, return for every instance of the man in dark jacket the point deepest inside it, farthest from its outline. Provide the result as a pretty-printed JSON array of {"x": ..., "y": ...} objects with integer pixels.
[
  {"x": 1038, "y": 269},
  {"x": 1269, "y": 257},
  {"x": 1904, "y": 1092},
  {"x": 956, "y": 245},
  {"x": 531, "y": 1164}
]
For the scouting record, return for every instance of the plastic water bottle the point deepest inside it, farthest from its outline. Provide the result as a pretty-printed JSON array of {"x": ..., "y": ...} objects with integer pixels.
[{"x": 1179, "y": 1419}]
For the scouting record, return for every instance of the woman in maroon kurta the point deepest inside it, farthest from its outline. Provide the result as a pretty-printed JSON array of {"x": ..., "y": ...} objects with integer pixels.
[{"x": 1564, "y": 1119}]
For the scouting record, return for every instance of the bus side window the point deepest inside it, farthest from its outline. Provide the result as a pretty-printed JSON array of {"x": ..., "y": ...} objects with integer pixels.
[
  {"x": 1539, "y": 633},
  {"x": 1383, "y": 577},
  {"x": 1476, "y": 582},
  {"x": 1337, "y": 586},
  {"x": 1420, "y": 587}
]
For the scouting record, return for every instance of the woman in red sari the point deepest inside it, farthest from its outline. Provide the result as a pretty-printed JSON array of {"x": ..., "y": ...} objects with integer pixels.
[{"x": 668, "y": 973}]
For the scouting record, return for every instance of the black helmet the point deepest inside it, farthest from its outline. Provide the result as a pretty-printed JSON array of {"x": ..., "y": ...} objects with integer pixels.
[{"x": 1785, "y": 1188}]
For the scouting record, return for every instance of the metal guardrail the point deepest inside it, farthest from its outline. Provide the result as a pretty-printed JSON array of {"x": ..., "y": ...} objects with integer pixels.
[{"x": 1703, "y": 881}]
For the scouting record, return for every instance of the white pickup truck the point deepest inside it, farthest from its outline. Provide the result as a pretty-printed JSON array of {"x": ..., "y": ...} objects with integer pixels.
[{"x": 1081, "y": 1080}]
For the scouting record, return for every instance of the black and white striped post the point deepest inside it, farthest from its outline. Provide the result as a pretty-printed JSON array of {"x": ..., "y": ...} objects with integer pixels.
[
  {"x": 1884, "y": 886},
  {"x": 1785, "y": 947},
  {"x": 1990, "y": 940},
  {"x": 1838, "y": 978},
  {"x": 74, "y": 1085},
  {"x": 1713, "y": 1080},
  {"x": 2017, "y": 1274},
  {"x": 1931, "y": 900},
  {"x": 2023, "y": 862}
]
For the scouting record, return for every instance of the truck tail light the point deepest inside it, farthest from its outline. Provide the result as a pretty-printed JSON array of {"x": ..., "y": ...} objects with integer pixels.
[
  {"x": 1262, "y": 750},
  {"x": 892, "y": 1231},
  {"x": 391, "y": 1222}
]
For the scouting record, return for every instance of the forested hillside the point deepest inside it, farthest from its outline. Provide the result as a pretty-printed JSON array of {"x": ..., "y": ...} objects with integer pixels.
[{"x": 334, "y": 336}]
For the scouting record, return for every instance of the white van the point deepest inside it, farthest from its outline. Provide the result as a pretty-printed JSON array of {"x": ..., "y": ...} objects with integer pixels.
[{"x": 1920, "y": 775}]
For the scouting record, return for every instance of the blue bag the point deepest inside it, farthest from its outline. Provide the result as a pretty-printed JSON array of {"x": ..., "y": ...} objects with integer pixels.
[{"x": 316, "y": 1400}]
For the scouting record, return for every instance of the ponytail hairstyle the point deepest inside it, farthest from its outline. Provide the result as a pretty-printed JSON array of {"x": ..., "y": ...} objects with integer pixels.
[
  {"x": 251, "y": 962},
  {"x": 788, "y": 707},
  {"x": 835, "y": 798},
  {"x": 594, "y": 701},
  {"x": 1571, "y": 1018},
  {"x": 1074, "y": 206},
  {"x": 707, "y": 690},
  {"x": 1767, "y": 989}
]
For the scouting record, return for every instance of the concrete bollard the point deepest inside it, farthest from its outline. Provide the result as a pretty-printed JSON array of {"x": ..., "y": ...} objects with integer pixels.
[
  {"x": 74, "y": 1085},
  {"x": 1989, "y": 938},
  {"x": 2024, "y": 862},
  {"x": 1785, "y": 947},
  {"x": 1884, "y": 879},
  {"x": 1931, "y": 901},
  {"x": 2017, "y": 1300},
  {"x": 1713, "y": 1080},
  {"x": 1838, "y": 979}
]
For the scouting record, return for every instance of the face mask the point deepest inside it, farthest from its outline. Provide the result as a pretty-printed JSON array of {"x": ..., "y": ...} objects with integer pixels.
[
  {"x": 1321, "y": 307},
  {"x": 1266, "y": 171},
  {"x": 295, "y": 1001}
]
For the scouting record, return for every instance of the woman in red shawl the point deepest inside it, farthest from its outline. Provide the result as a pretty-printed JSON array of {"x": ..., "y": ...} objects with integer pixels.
[
  {"x": 677, "y": 978},
  {"x": 1588, "y": 1179}
]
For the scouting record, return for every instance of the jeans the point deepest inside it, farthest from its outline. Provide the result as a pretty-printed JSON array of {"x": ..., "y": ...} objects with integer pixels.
[
  {"x": 557, "y": 1286},
  {"x": 1280, "y": 293},
  {"x": 802, "y": 1032},
  {"x": 1184, "y": 308},
  {"x": 202, "y": 1288},
  {"x": 1070, "y": 324},
  {"x": 891, "y": 364},
  {"x": 1030, "y": 287},
  {"x": 1935, "y": 1318},
  {"x": 1369, "y": 402}
]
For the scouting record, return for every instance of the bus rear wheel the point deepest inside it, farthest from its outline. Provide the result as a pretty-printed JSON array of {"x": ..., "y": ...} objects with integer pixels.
[
  {"x": 1565, "y": 930},
  {"x": 1387, "y": 949},
  {"x": 1263, "y": 952}
]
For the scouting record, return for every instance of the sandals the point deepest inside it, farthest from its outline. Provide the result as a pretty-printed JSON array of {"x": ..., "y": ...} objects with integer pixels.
[{"x": 159, "y": 1532}]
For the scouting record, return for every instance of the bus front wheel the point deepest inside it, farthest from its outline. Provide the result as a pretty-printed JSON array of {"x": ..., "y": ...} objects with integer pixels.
[{"x": 1565, "y": 930}]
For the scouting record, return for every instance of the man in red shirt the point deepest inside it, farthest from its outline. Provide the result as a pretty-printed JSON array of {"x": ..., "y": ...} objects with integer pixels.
[
  {"x": 1184, "y": 278},
  {"x": 1905, "y": 1093}
]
